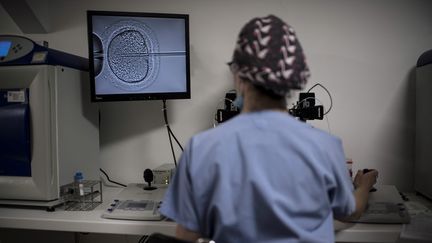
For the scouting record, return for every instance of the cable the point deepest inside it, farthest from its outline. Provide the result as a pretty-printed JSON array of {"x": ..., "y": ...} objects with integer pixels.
[
  {"x": 328, "y": 124},
  {"x": 178, "y": 143},
  {"x": 331, "y": 100},
  {"x": 101, "y": 170},
  {"x": 308, "y": 98},
  {"x": 170, "y": 130},
  {"x": 118, "y": 183},
  {"x": 143, "y": 239},
  {"x": 164, "y": 109}
]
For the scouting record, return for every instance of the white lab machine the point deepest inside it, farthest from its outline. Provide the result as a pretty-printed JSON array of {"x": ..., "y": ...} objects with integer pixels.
[
  {"x": 140, "y": 201},
  {"x": 163, "y": 174},
  {"x": 48, "y": 126},
  {"x": 136, "y": 203}
]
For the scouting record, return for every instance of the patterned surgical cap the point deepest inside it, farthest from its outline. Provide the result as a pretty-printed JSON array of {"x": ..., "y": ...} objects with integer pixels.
[{"x": 269, "y": 55}]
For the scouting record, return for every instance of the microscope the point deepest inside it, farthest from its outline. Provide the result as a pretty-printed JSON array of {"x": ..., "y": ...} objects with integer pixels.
[{"x": 305, "y": 108}]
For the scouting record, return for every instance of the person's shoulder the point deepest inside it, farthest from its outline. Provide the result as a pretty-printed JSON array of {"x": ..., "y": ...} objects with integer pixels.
[
  {"x": 325, "y": 138},
  {"x": 326, "y": 135},
  {"x": 314, "y": 134},
  {"x": 223, "y": 131}
]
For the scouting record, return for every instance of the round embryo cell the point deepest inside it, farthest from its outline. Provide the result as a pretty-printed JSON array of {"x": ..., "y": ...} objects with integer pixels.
[
  {"x": 128, "y": 56},
  {"x": 132, "y": 55}
]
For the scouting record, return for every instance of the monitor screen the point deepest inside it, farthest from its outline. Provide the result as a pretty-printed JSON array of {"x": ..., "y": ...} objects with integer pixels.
[{"x": 138, "y": 56}]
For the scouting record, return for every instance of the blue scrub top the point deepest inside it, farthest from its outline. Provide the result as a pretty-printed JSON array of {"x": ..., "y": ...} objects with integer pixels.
[{"x": 261, "y": 177}]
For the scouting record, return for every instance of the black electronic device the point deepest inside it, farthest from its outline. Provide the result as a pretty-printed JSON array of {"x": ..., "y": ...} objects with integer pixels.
[
  {"x": 230, "y": 110},
  {"x": 148, "y": 177},
  {"x": 305, "y": 108},
  {"x": 138, "y": 56}
]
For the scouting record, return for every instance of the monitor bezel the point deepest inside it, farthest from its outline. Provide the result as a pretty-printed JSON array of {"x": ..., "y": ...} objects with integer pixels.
[{"x": 136, "y": 96}]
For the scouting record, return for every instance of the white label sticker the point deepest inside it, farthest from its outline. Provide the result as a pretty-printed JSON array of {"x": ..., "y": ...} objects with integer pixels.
[
  {"x": 39, "y": 57},
  {"x": 16, "y": 96}
]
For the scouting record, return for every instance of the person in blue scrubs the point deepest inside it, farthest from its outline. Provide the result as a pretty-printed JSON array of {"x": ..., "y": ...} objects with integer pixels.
[{"x": 264, "y": 176}]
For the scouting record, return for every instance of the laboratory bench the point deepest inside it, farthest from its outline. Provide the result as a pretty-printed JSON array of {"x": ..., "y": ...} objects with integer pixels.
[{"x": 92, "y": 222}]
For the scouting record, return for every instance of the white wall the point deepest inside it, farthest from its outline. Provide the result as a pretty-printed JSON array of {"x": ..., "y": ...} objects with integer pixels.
[{"x": 364, "y": 52}]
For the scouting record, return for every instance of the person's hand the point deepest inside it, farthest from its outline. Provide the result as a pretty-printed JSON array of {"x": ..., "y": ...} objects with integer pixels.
[
  {"x": 363, "y": 183},
  {"x": 365, "y": 180}
]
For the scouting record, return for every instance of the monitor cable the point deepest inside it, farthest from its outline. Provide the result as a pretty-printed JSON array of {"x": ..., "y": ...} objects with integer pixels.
[{"x": 170, "y": 133}]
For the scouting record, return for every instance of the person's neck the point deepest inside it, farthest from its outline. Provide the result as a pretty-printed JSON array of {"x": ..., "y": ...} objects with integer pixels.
[
  {"x": 246, "y": 110},
  {"x": 254, "y": 104},
  {"x": 255, "y": 100}
]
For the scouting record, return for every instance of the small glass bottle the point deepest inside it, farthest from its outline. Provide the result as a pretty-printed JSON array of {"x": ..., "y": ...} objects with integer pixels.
[{"x": 78, "y": 179}]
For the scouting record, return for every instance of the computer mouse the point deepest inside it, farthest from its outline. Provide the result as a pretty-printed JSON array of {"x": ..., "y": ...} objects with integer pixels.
[{"x": 373, "y": 189}]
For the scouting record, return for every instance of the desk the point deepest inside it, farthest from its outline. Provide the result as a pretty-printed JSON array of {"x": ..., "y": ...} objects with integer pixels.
[
  {"x": 81, "y": 221},
  {"x": 91, "y": 222},
  {"x": 352, "y": 232}
]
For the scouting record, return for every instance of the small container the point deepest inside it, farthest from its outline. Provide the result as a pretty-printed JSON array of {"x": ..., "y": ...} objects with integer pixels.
[{"x": 78, "y": 179}]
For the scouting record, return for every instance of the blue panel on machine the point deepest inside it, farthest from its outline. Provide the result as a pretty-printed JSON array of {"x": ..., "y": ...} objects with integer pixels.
[
  {"x": 4, "y": 48},
  {"x": 15, "y": 141}
]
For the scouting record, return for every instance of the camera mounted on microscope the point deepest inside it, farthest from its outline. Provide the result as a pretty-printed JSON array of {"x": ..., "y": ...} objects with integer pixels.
[{"x": 305, "y": 108}]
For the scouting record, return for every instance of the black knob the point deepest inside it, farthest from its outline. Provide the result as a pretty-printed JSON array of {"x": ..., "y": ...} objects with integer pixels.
[{"x": 148, "y": 177}]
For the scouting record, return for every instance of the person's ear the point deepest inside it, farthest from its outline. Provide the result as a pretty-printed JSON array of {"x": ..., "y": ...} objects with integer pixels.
[{"x": 240, "y": 85}]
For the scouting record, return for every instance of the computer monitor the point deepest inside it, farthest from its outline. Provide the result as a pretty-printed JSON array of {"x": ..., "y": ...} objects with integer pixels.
[{"x": 138, "y": 56}]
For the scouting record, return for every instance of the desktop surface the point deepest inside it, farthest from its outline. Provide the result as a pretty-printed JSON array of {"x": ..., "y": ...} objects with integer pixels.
[
  {"x": 81, "y": 221},
  {"x": 92, "y": 222}
]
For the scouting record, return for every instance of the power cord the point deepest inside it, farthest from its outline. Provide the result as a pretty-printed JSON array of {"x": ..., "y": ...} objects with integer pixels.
[
  {"x": 331, "y": 100},
  {"x": 118, "y": 183},
  {"x": 143, "y": 239},
  {"x": 170, "y": 133}
]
